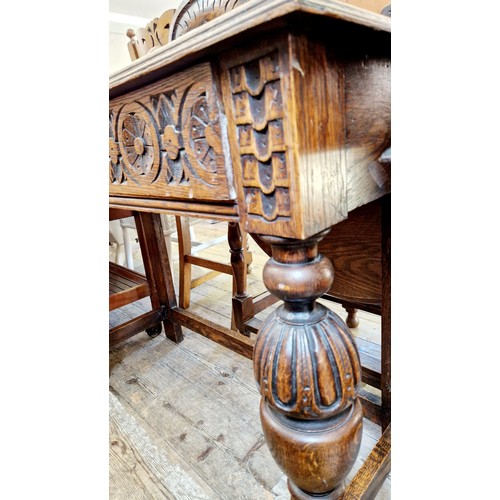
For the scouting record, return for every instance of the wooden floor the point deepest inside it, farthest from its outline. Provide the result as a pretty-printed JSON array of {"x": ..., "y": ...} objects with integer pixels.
[{"x": 184, "y": 419}]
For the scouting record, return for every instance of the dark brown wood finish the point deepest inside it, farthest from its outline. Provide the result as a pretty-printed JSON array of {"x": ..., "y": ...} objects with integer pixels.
[
  {"x": 157, "y": 268},
  {"x": 194, "y": 13},
  {"x": 373, "y": 472},
  {"x": 167, "y": 141},
  {"x": 298, "y": 100},
  {"x": 116, "y": 213},
  {"x": 149, "y": 322},
  {"x": 223, "y": 336},
  {"x": 242, "y": 302},
  {"x": 184, "y": 267},
  {"x": 386, "y": 314},
  {"x": 359, "y": 248},
  {"x": 355, "y": 248},
  {"x": 308, "y": 370},
  {"x": 127, "y": 286}
]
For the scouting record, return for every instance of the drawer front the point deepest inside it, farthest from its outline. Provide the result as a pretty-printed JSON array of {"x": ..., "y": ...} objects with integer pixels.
[{"x": 169, "y": 140}]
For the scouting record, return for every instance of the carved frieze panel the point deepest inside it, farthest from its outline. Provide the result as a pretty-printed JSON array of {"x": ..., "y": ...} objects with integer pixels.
[
  {"x": 257, "y": 106},
  {"x": 167, "y": 140}
]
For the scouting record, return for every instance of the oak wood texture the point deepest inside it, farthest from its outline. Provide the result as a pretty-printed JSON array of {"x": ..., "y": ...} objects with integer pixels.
[
  {"x": 359, "y": 248},
  {"x": 268, "y": 91},
  {"x": 153, "y": 35},
  {"x": 248, "y": 18},
  {"x": 191, "y": 14},
  {"x": 308, "y": 370},
  {"x": 298, "y": 76},
  {"x": 142, "y": 154},
  {"x": 125, "y": 286},
  {"x": 223, "y": 336},
  {"x": 374, "y": 471},
  {"x": 221, "y": 211},
  {"x": 211, "y": 301},
  {"x": 298, "y": 105},
  {"x": 187, "y": 260},
  {"x": 157, "y": 267},
  {"x": 355, "y": 248},
  {"x": 165, "y": 140},
  {"x": 240, "y": 261},
  {"x": 170, "y": 403}
]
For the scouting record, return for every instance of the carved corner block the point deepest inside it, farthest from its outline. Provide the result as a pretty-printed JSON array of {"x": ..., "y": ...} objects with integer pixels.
[{"x": 283, "y": 102}]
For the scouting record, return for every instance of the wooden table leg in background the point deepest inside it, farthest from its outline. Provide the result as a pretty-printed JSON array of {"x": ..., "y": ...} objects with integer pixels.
[
  {"x": 385, "y": 382},
  {"x": 308, "y": 371}
]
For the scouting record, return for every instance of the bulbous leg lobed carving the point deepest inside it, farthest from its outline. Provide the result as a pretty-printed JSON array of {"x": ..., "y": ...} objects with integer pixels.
[
  {"x": 308, "y": 370},
  {"x": 306, "y": 364}
]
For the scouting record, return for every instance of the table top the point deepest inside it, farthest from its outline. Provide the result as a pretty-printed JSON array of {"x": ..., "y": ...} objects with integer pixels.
[{"x": 249, "y": 17}]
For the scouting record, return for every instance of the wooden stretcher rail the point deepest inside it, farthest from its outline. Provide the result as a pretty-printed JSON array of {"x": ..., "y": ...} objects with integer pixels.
[
  {"x": 223, "y": 336},
  {"x": 135, "y": 325}
]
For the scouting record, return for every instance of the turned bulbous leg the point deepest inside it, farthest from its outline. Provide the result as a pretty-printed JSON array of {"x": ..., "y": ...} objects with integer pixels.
[
  {"x": 316, "y": 455},
  {"x": 307, "y": 367}
]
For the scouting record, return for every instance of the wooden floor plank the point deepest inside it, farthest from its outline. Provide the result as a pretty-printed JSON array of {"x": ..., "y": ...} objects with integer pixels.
[
  {"x": 201, "y": 410},
  {"x": 139, "y": 469}
]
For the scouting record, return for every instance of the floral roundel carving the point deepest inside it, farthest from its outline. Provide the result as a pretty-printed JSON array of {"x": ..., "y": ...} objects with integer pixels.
[
  {"x": 167, "y": 140},
  {"x": 139, "y": 142}
]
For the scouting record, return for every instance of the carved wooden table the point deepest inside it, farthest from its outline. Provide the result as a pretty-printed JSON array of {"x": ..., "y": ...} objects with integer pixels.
[{"x": 274, "y": 115}]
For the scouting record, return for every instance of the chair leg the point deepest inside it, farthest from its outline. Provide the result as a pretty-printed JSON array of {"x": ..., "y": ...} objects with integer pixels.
[
  {"x": 184, "y": 244},
  {"x": 168, "y": 243},
  {"x": 127, "y": 244},
  {"x": 119, "y": 255},
  {"x": 352, "y": 320},
  {"x": 192, "y": 234},
  {"x": 386, "y": 313},
  {"x": 116, "y": 241}
]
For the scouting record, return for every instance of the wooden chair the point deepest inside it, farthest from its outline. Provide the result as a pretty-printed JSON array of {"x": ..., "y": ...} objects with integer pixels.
[
  {"x": 127, "y": 286},
  {"x": 142, "y": 42}
]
